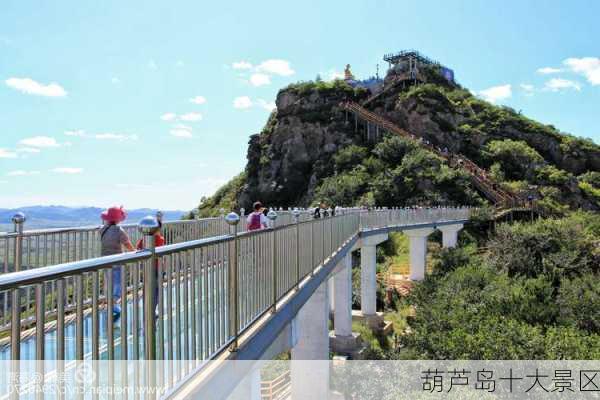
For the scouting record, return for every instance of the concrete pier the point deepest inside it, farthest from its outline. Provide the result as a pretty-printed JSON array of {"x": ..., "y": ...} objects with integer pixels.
[{"x": 418, "y": 251}]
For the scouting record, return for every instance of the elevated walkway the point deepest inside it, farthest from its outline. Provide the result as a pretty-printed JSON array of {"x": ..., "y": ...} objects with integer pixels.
[{"x": 229, "y": 297}]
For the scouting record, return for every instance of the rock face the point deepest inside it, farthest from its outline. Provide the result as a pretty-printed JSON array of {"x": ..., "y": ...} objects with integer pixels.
[
  {"x": 289, "y": 159},
  {"x": 439, "y": 120},
  {"x": 294, "y": 151}
]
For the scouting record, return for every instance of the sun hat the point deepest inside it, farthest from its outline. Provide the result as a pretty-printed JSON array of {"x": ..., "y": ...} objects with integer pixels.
[{"x": 114, "y": 215}]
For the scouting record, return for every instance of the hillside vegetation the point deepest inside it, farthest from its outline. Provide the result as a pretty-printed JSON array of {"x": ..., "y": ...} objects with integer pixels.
[
  {"x": 535, "y": 294},
  {"x": 309, "y": 152},
  {"x": 527, "y": 291}
]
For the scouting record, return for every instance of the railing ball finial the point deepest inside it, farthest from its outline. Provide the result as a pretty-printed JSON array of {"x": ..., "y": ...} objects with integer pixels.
[
  {"x": 147, "y": 225},
  {"x": 232, "y": 218},
  {"x": 272, "y": 215},
  {"x": 19, "y": 218}
]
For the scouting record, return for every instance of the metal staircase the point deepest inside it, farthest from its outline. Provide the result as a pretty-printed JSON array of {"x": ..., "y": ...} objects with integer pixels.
[{"x": 480, "y": 178}]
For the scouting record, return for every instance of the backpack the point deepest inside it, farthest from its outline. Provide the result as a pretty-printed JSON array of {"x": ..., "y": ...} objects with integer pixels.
[{"x": 254, "y": 222}]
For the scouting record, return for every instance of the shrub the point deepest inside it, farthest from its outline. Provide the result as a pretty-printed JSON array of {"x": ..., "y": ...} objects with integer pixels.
[
  {"x": 516, "y": 157},
  {"x": 579, "y": 302},
  {"x": 556, "y": 248},
  {"x": 550, "y": 175},
  {"x": 349, "y": 157}
]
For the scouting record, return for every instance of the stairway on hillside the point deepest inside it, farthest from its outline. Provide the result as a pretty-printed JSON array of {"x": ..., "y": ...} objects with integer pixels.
[{"x": 480, "y": 178}]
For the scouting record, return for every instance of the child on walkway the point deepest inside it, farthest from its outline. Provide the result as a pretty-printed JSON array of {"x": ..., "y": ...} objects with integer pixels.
[{"x": 257, "y": 220}]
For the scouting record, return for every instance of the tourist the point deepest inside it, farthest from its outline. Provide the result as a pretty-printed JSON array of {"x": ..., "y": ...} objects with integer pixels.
[
  {"x": 159, "y": 240},
  {"x": 317, "y": 212},
  {"x": 113, "y": 239},
  {"x": 257, "y": 219}
]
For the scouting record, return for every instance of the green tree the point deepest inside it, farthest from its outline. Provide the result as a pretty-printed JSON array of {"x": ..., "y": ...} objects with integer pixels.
[{"x": 516, "y": 157}]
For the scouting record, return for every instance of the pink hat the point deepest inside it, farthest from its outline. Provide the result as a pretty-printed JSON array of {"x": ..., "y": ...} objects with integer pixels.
[{"x": 114, "y": 215}]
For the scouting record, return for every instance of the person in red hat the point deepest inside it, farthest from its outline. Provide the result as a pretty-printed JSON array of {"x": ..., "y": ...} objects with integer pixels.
[{"x": 114, "y": 239}]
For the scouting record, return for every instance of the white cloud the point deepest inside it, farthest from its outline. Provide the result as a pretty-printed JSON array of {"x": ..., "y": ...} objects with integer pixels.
[
  {"x": 115, "y": 136},
  {"x": 241, "y": 65},
  {"x": 29, "y": 86},
  {"x": 586, "y": 66},
  {"x": 242, "y": 102},
  {"x": 28, "y": 150},
  {"x": 198, "y": 100},
  {"x": 179, "y": 63},
  {"x": 190, "y": 117},
  {"x": 267, "y": 105},
  {"x": 527, "y": 88},
  {"x": 7, "y": 154},
  {"x": 548, "y": 70},
  {"x": 182, "y": 131},
  {"x": 39, "y": 141},
  {"x": 78, "y": 133},
  {"x": 496, "y": 93},
  {"x": 115, "y": 80},
  {"x": 67, "y": 170},
  {"x": 259, "y": 79},
  {"x": 169, "y": 116},
  {"x": 276, "y": 67},
  {"x": 21, "y": 172},
  {"x": 557, "y": 84},
  {"x": 133, "y": 186}
]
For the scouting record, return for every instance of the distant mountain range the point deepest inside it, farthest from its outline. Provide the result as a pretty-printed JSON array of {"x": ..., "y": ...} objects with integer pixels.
[{"x": 61, "y": 216}]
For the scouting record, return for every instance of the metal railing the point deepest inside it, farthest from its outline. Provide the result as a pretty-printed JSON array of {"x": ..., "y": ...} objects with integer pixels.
[
  {"x": 182, "y": 301},
  {"x": 43, "y": 247}
]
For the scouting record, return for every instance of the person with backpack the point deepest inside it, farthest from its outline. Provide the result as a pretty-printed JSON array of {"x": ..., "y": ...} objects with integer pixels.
[
  {"x": 257, "y": 219},
  {"x": 113, "y": 239}
]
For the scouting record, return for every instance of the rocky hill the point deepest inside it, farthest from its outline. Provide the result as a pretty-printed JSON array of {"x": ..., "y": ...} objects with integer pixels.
[{"x": 309, "y": 151}]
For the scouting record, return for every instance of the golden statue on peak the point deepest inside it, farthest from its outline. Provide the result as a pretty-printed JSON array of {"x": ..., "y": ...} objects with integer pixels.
[{"x": 347, "y": 73}]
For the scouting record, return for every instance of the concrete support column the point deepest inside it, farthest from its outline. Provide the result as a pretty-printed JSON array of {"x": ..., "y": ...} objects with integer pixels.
[
  {"x": 330, "y": 295},
  {"x": 368, "y": 280},
  {"x": 343, "y": 298},
  {"x": 310, "y": 379},
  {"x": 310, "y": 328},
  {"x": 249, "y": 387},
  {"x": 418, "y": 252},
  {"x": 450, "y": 234}
]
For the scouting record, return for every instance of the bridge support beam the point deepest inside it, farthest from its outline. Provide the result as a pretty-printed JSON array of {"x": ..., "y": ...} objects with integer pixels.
[
  {"x": 310, "y": 380},
  {"x": 330, "y": 295},
  {"x": 450, "y": 234},
  {"x": 368, "y": 278},
  {"x": 418, "y": 251},
  {"x": 343, "y": 340}
]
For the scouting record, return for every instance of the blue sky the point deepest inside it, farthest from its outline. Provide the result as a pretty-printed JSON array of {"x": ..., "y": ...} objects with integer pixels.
[{"x": 96, "y": 97}]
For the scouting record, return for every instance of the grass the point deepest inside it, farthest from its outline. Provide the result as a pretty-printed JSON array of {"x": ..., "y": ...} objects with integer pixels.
[{"x": 399, "y": 263}]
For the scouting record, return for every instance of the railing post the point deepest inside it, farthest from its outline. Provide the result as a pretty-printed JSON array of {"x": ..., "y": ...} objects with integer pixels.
[
  {"x": 232, "y": 220},
  {"x": 296, "y": 214},
  {"x": 15, "y": 337},
  {"x": 272, "y": 215},
  {"x": 147, "y": 227}
]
